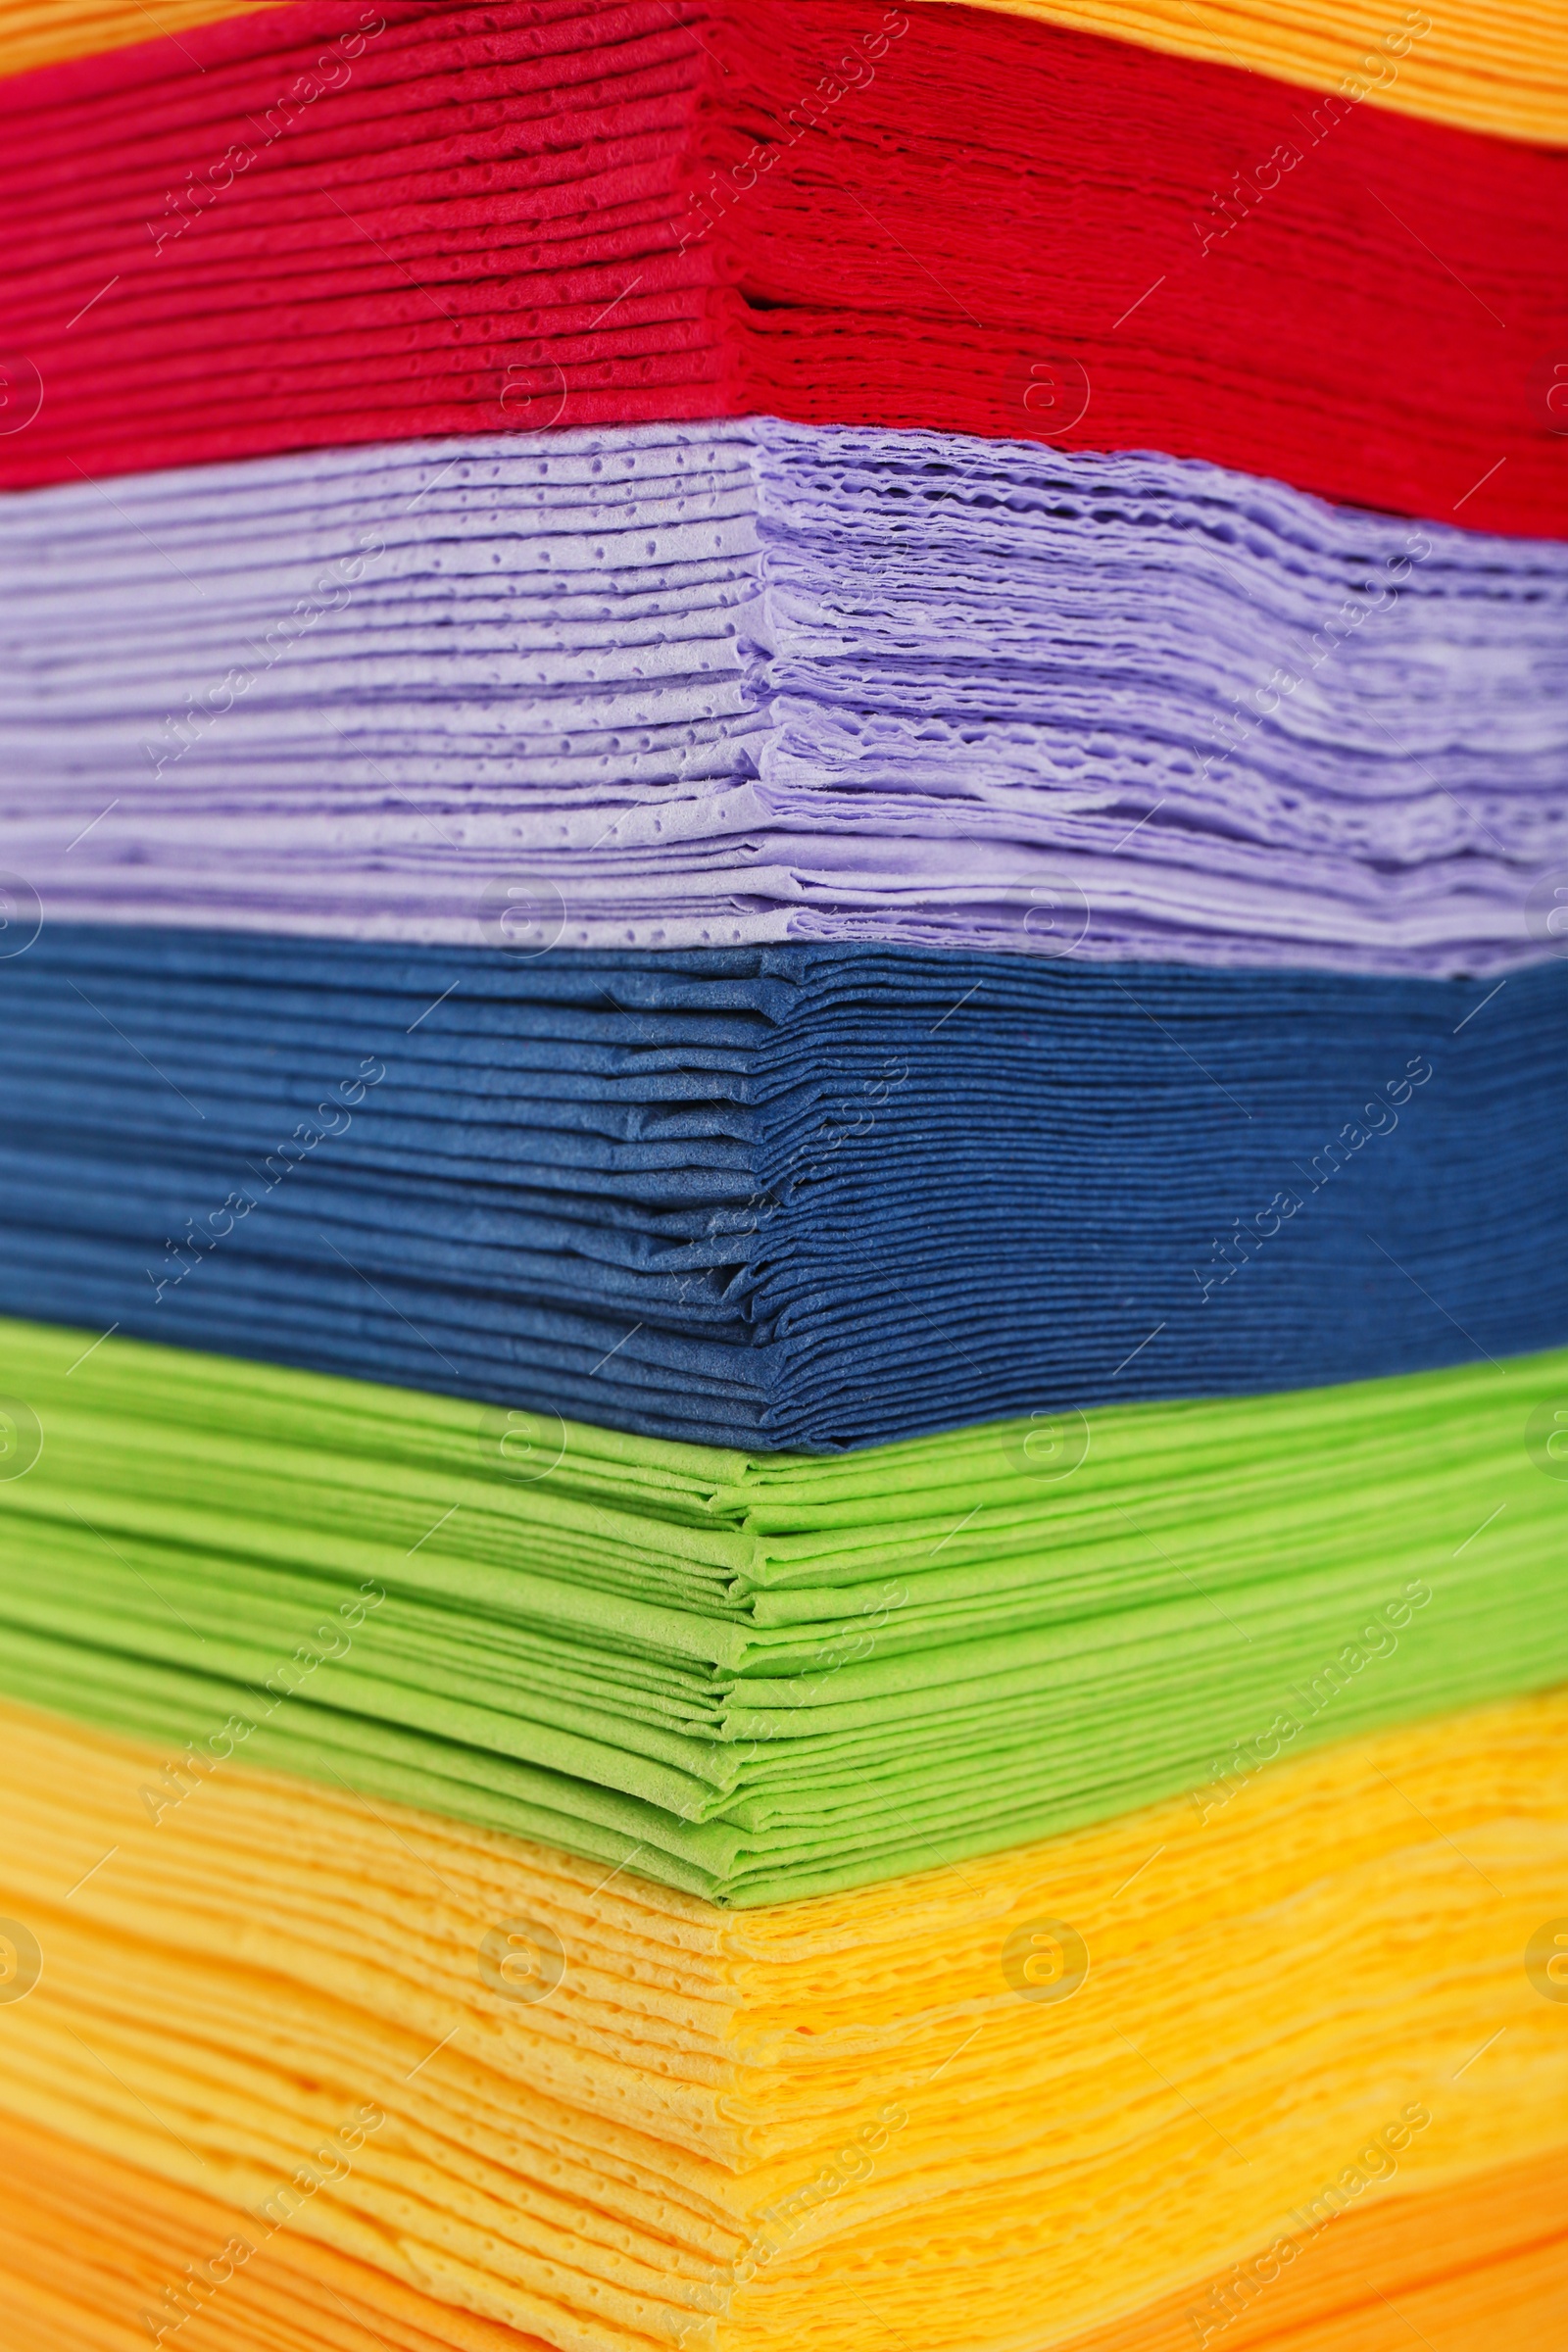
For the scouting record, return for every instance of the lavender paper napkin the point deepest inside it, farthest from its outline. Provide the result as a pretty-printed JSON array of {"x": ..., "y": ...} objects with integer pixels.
[{"x": 685, "y": 686}]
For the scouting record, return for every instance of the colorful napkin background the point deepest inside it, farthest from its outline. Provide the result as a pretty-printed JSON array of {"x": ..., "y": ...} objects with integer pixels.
[{"x": 484, "y": 1879}]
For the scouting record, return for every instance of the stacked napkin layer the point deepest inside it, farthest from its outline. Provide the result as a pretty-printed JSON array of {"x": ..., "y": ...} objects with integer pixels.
[
  {"x": 316, "y": 225},
  {"x": 1414, "y": 65},
  {"x": 730, "y": 684},
  {"x": 1498, "y": 68},
  {"x": 761, "y": 1677},
  {"x": 1071, "y": 2083},
  {"x": 782, "y": 1196},
  {"x": 89, "y": 2247},
  {"x": 40, "y": 33}
]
